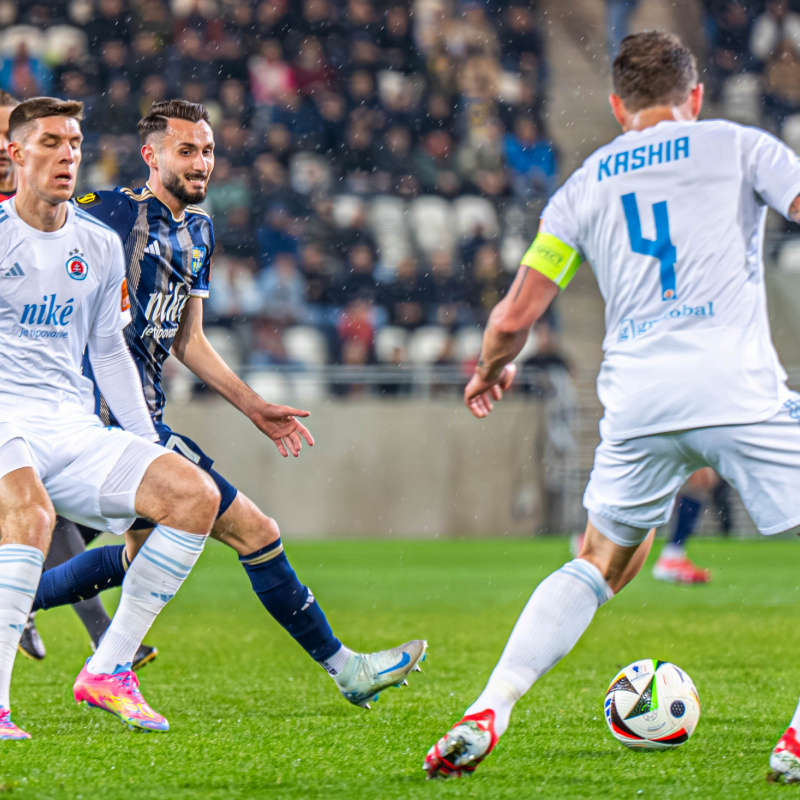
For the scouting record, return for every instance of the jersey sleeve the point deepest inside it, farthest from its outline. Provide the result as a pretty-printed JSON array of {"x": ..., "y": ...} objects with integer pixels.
[
  {"x": 560, "y": 217},
  {"x": 112, "y": 208},
  {"x": 201, "y": 279},
  {"x": 114, "y": 311},
  {"x": 774, "y": 169}
]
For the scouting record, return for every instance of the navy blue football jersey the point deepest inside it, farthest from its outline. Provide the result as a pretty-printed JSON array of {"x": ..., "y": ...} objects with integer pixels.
[{"x": 168, "y": 261}]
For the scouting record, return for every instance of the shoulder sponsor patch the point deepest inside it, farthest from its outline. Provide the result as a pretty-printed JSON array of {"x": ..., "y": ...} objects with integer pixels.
[
  {"x": 91, "y": 199},
  {"x": 198, "y": 257},
  {"x": 125, "y": 301}
]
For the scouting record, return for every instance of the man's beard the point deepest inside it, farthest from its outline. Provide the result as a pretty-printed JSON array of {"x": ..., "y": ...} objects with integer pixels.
[{"x": 175, "y": 185}]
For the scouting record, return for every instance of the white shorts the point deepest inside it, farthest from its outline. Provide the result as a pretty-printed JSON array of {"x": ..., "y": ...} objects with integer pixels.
[
  {"x": 634, "y": 483},
  {"x": 90, "y": 472}
]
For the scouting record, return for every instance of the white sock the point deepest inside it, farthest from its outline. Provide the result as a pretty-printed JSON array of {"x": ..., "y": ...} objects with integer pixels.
[
  {"x": 335, "y": 664},
  {"x": 20, "y": 570},
  {"x": 671, "y": 550},
  {"x": 795, "y": 723},
  {"x": 156, "y": 574},
  {"x": 551, "y": 623}
]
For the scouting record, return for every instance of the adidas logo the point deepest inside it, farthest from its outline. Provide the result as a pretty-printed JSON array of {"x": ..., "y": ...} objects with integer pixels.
[
  {"x": 153, "y": 249},
  {"x": 14, "y": 272}
]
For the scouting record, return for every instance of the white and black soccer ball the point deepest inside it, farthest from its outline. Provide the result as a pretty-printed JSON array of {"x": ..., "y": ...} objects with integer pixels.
[{"x": 652, "y": 705}]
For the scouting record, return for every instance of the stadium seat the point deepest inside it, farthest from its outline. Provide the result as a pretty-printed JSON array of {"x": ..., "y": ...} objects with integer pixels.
[
  {"x": 310, "y": 172},
  {"x": 345, "y": 207},
  {"x": 63, "y": 42},
  {"x": 789, "y": 256},
  {"x": 388, "y": 215},
  {"x": 512, "y": 248},
  {"x": 791, "y": 132},
  {"x": 387, "y": 340},
  {"x": 306, "y": 344},
  {"x": 468, "y": 344},
  {"x": 741, "y": 98},
  {"x": 431, "y": 220},
  {"x": 28, "y": 35},
  {"x": 227, "y": 343},
  {"x": 472, "y": 211},
  {"x": 427, "y": 344},
  {"x": 269, "y": 385}
]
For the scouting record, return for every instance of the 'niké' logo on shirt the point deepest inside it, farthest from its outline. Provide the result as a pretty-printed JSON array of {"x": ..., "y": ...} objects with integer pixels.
[{"x": 50, "y": 312}]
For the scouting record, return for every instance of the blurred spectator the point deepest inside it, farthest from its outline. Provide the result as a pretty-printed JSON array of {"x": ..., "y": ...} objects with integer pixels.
[
  {"x": 356, "y": 331},
  {"x": 531, "y": 159},
  {"x": 445, "y": 291},
  {"x": 775, "y": 25},
  {"x": 729, "y": 27},
  {"x": 267, "y": 348},
  {"x": 782, "y": 83},
  {"x": 283, "y": 291},
  {"x": 618, "y": 18},
  {"x": 358, "y": 281},
  {"x": 395, "y": 165},
  {"x": 437, "y": 169},
  {"x": 312, "y": 70},
  {"x": 276, "y": 237},
  {"x": 489, "y": 281},
  {"x": 111, "y": 22},
  {"x": 270, "y": 76},
  {"x": 407, "y": 297},
  {"x": 117, "y": 113},
  {"x": 235, "y": 292},
  {"x": 482, "y": 161},
  {"x": 24, "y": 75}
]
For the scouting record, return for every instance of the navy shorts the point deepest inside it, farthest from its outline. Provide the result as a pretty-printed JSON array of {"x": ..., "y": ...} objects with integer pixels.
[{"x": 184, "y": 446}]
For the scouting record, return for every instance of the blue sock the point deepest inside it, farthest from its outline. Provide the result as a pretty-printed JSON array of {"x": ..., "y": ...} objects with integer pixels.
[
  {"x": 289, "y": 602},
  {"x": 82, "y": 577},
  {"x": 688, "y": 513}
]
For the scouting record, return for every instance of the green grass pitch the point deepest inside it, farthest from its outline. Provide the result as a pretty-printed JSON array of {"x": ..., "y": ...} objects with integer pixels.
[{"x": 253, "y": 718}]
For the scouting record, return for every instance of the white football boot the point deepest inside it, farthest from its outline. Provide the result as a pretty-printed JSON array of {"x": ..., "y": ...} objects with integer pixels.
[
  {"x": 784, "y": 761},
  {"x": 463, "y": 747},
  {"x": 366, "y": 674}
]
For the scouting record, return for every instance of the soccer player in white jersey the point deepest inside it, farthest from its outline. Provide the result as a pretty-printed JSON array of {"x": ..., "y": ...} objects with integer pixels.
[
  {"x": 670, "y": 215},
  {"x": 62, "y": 285}
]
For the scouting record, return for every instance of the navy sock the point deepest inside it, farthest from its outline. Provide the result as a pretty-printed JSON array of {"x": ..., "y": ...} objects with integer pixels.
[
  {"x": 289, "y": 602},
  {"x": 82, "y": 577},
  {"x": 688, "y": 513}
]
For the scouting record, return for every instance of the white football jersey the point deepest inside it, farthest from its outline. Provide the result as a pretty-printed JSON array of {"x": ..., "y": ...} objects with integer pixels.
[
  {"x": 671, "y": 219},
  {"x": 55, "y": 290}
]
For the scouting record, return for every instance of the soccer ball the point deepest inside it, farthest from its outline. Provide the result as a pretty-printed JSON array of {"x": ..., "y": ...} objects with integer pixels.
[{"x": 652, "y": 705}]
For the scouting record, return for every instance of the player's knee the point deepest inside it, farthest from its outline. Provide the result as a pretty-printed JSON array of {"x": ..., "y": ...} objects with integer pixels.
[
  {"x": 269, "y": 531},
  {"x": 194, "y": 501},
  {"x": 32, "y": 522},
  {"x": 205, "y": 497}
]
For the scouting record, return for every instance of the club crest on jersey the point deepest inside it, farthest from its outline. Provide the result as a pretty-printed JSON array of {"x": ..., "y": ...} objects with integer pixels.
[
  {"x": 198, "y": 257},
  {"x": 77, "y": 268}
]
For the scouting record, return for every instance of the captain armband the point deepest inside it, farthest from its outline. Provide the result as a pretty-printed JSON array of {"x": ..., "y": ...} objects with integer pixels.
[{"x": 553, "y": 258}]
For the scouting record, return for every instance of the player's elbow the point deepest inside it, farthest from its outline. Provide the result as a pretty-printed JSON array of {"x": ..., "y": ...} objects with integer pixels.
[{"x": 509, "y": 322}]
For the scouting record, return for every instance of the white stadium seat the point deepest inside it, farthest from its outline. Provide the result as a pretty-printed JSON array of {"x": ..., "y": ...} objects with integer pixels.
[
  {"x": 269, "y": 385},
  {"x": 789, "y": 256},
  {"x": 431, "y": 221},
  {"x": 741, "y": 98},
  {"x": 227, "y": 343},
  {"x": 306, "y": 344},
  {"x": 791, "y": 132},
  {"x": 345, "y": 207},
  {"x": 468, "y": 343},
  {"x": 387, "y": 340},
  {"x": 427, "y": 344},
  {"x": 28, "y": 35},
  {"x": 472, "y": 211}
]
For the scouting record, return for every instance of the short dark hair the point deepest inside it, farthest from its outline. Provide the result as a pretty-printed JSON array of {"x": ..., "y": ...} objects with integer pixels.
[
  {"x": 653, "y": 68},
  {"x": 156, "y": 119},
  {"x": 7, "y": 100},
  {"x": 39, "y": 107}
]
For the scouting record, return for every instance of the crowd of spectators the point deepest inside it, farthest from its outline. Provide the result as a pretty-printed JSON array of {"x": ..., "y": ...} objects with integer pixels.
[{"x": 319, "y": 107}]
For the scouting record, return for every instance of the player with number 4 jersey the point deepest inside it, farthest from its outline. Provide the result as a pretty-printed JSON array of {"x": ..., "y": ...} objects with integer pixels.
[{"x": 671, "y": 217}]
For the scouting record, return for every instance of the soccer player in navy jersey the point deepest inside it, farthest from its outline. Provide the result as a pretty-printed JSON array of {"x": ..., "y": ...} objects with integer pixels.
[{"x": 169, "y": 242}]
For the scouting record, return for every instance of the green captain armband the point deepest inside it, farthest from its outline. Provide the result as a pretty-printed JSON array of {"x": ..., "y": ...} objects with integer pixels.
[{"x": 553, "y": 258}]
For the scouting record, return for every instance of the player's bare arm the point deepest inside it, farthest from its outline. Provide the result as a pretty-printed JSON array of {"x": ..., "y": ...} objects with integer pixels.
[
  {"x": 193, "y": 349},
  {"x": 794, "y": 210}
]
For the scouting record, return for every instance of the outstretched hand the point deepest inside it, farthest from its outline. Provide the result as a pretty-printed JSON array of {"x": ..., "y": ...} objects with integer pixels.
[
  {"x": 479, "y": 393},
  {"x": 281, "y": 425}
]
